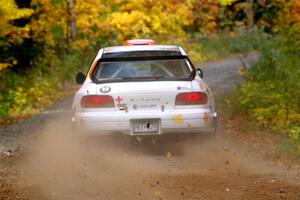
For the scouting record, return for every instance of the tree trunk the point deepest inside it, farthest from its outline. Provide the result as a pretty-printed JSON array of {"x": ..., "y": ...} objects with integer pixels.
[
  {"x": 71, "y": 20},
  {"x": 250, "y": 15}
]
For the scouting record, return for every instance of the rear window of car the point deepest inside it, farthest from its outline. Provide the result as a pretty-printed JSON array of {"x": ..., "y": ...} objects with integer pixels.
[{"x": 157, "y": 69}]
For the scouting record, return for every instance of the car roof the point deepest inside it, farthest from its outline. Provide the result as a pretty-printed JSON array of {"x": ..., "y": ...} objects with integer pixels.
[{"x": 135, "y": 51}]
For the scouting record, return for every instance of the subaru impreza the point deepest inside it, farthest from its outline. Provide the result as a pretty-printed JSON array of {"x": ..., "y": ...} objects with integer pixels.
[{"x": 143, "y": 89}]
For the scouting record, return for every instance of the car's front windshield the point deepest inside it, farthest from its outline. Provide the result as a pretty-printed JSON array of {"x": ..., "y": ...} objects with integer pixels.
[{"x": 168, "y": 69}]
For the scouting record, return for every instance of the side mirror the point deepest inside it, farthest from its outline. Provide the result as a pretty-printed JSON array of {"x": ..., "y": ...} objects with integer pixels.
[
  {"x": 80, "y": 78},
  {"x": 200, "y": 72}
]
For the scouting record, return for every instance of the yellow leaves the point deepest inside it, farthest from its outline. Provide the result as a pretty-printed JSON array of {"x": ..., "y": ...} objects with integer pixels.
[
  {"x": 172, "y": 18},
  {"x": 8, "y": 12},
  {"x": 48, "y": 16},
  {"x": 226, "y": 2},
  {"x": 204, "y": 16},
  {"x": 294, "y": 12},
  {"x": 90, "y": 25},
  {"x": 4, "y": 65},
  {"x": 131, "y": 5},
  {"x": 266, "y": 103},
  {"x": 111, "y": 21},
  {"x": 26, "y": 100},
  {"x": 148, "y": 18},
  {"x": 129, "y": 25},
  {"x": 242, "y": 71},
  {"x": 294, "y": 133},
  {"x": 290, "y": 15},
  {"x": 81, "y": 44}
]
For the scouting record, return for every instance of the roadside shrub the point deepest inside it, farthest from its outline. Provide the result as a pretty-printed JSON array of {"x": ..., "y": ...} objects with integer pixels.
[
  {"x": 39, "y": 88},
  {"x": 222, "y": 45},
  {"x": 271, "y": 92},
  {"x": 269, "y": 104}
]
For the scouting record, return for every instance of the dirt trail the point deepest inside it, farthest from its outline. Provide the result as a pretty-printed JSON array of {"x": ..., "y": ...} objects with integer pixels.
[{"x": 54, "y": 164}]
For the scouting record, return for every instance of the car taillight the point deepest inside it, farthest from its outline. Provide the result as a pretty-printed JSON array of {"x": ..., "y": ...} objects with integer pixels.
[
  {"x": 97, "y": 101},
  {"x": 191, "y": 98}
]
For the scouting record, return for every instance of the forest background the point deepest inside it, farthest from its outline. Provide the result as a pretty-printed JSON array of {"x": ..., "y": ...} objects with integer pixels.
[{"x": 43, "y": 43}]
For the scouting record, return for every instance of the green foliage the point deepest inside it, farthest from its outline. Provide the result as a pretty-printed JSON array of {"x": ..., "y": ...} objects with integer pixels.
[
  {"x": 290, "y": 146},
  {"x": 271, "y": 93},
  {"x": 269, "y": 103},
  {"x": 27, "y": 95},
  {"x": 222, "y": 45},
  {"x": 294, "y": 133}
]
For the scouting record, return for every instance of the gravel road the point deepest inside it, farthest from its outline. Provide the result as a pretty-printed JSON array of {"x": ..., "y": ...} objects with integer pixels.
[{"x": 41, "y": 159}]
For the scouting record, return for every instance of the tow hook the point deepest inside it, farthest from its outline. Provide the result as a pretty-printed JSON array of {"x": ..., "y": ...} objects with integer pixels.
[{"x": 214, "y": 114}]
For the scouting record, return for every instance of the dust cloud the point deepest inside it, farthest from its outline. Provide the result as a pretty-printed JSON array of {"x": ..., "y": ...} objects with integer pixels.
[{"x": 64, "y": 165}]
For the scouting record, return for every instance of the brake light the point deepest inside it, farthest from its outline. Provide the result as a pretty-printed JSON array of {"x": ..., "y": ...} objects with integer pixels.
[
  {"x": 97, "y": 101},
  {"x": 191, "y": 98},
  {"x": 139, "y": 42}
]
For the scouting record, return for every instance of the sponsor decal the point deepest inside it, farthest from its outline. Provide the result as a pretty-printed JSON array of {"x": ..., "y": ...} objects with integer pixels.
[
  {"x": 105, "y": 89},
  {"x": 202, "y": 87},
  {"x": 178, "y": 119},
  {"x": 205, "y": 116},
  {"x": 183, "y": 88},
  {"x": 143, "y": 99},
  {"x": 118, "y": 99},
  {"x": 148, "y": 106},
  {"x": 136, "y": 106}
]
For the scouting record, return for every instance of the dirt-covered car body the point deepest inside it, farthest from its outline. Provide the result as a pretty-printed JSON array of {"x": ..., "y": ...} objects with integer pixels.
[{"x": 143, "y": 90}]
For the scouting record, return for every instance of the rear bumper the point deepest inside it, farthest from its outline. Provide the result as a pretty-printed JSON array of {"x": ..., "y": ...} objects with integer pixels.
[{"x": 176, "y": 121}]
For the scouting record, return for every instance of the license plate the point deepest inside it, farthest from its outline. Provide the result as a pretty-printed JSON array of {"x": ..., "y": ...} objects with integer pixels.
[{"x": 145, "y": 126}]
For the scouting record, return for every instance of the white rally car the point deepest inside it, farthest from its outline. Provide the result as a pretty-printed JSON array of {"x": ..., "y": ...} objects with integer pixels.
[{"x": 142, "y": 89}]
